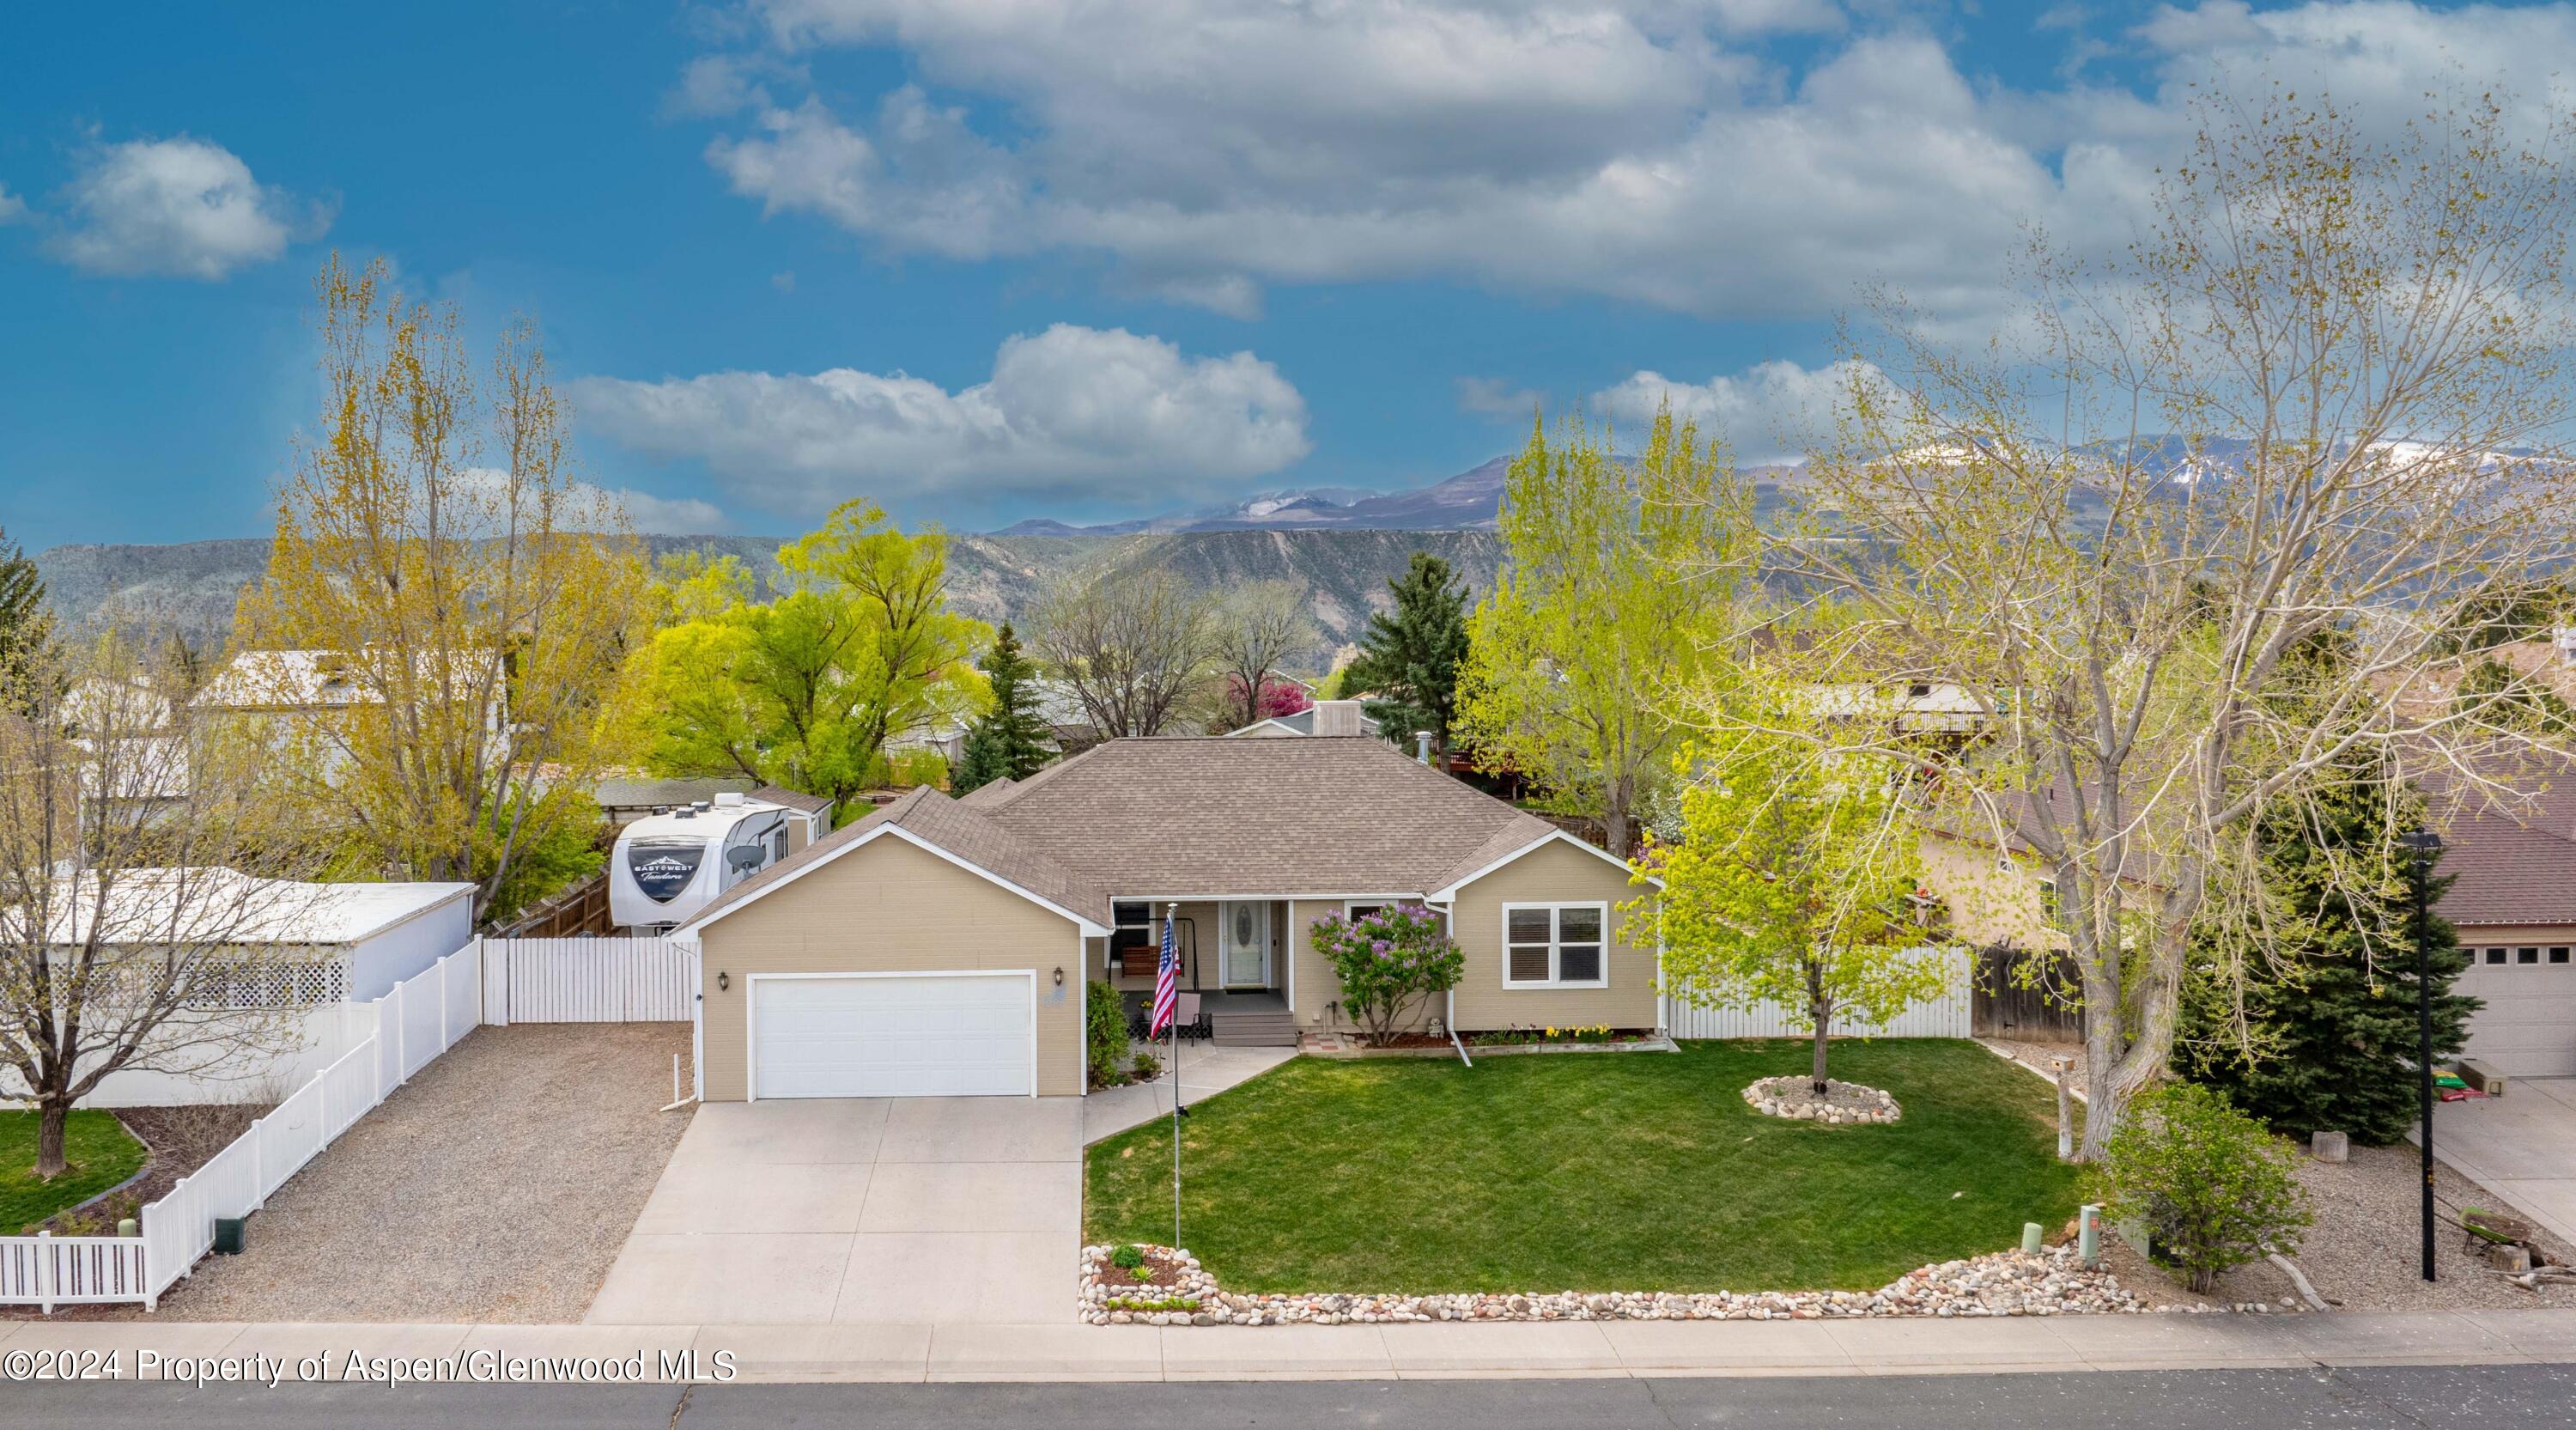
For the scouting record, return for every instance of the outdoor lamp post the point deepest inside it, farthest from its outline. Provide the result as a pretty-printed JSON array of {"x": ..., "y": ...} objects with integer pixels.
[{"x": 2421, "y": 845}]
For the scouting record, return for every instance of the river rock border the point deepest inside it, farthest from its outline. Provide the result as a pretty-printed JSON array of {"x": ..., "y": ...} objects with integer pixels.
[
  {"x": 2008, "y": 1283},
  {"x": 1843, "y": 1102}
]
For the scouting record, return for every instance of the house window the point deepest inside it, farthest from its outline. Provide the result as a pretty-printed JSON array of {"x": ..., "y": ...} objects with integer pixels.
[
  {"x": 2558, "y": 953},
  {"x": 2495, "y": 955},
  {"x": 1555, "y": 946},
  {"x": 1357, "y": 912},
  {"x": 1132, "y": 925},
  {"x": 2048, "y": 899},
  {"x": 2526, "y": 955}
]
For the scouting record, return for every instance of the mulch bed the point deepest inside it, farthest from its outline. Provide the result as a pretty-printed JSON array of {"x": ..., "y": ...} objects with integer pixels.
[{"x": 1160, "y": 1269}]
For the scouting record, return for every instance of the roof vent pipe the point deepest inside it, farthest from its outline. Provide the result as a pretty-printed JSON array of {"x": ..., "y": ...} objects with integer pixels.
[{"x": 1422, "y": 746}]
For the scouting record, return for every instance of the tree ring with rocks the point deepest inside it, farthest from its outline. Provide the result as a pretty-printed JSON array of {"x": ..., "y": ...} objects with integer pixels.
[{"x": 1841, "y": 1102}]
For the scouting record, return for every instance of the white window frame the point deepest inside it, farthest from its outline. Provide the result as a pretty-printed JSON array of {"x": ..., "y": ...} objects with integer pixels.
[{"x": 1556, "y": 944}]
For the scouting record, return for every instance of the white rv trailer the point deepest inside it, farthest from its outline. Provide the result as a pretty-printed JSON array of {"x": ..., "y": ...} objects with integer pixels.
[{"x": 668, "y": 866}]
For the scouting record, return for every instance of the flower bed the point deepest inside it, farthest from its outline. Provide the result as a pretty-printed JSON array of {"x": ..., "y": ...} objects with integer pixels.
[
  {"x": 1842, "y": 1102},
  {"x": 2007, "y": 1283}
]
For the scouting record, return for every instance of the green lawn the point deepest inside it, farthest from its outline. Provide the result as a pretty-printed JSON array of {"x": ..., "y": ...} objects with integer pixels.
[
  {"x": 101, "y": 1151},
  {"x": 1612, "y": 1171}
]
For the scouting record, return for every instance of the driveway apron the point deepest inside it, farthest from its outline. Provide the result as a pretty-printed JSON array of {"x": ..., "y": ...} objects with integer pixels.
[
  {"x": 2521, "y": 1146},
  {"x": 964, "y": 1210}
]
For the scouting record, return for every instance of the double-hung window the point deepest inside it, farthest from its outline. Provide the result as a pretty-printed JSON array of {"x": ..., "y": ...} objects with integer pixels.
[
  {"x": 1132, "y": 926},
  {"x": 1556, "y": 945}
]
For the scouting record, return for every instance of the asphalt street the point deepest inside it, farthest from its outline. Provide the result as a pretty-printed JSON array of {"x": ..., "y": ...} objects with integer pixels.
[{"x": 2501, "y": 1397}]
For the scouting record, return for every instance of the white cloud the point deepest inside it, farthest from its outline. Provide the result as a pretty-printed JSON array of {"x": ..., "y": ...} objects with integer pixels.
[
  {"x": 1063, "y": 411},
  {"x": 1647, "y": 150},
  {"x": 1495, "y": 397},
  {"x": 1769, "y": 410},
  {"x": 13, "y": 209},
  {"x": 179, "y": 208},
  {"x": 585, "y": 507}
]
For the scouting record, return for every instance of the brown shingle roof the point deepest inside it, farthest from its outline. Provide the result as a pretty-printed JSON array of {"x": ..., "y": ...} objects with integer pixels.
[
  {"x": 987, "y": 793},
  {"x": 2516, "y": 865},
  {"x": 952, "y": 827},
  {"x": 793, "y": 799},
  {"x": 1323, "y": 816}
]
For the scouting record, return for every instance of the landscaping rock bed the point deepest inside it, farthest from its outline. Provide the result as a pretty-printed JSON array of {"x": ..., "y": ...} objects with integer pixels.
[
  {"x": 1843, "y": 1102},
  {"x": 2007, "y": 1283}
]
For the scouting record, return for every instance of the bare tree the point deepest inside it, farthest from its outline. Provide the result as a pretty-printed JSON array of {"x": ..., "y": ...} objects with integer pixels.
[
  {"x": 1258, "y": 628},
  {"x": 1133, "y": 648},
  {"x": 2197, "y": 547},
  {"x": 136, "y": 931}
]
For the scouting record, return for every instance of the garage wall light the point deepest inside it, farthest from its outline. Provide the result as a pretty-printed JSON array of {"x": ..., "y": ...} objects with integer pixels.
[
  {"x": 1059, "y": 975},
  {"x": 724, "y": 981}
]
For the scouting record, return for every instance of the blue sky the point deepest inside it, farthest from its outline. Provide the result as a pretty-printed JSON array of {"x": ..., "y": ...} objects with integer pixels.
[{"x": 985, "y": 259}]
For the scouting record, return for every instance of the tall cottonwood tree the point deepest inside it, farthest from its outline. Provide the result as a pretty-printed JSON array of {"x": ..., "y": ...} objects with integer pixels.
[
  {"x": 446, "y": 605},
  {"x": 1133, "y": 647},
  {"x": 2319, "y": 398},
  {"x": 803, "y": 690},
  {"x": 1615, "y": 570}
]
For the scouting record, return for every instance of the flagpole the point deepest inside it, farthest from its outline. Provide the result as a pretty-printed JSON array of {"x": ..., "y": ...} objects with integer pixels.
[{"x": 1170, "y": 911}]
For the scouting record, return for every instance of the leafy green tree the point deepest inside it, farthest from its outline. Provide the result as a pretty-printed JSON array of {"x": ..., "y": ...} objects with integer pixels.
[
  {"x": 2328, "y": 1041},
  {"x": 1409, "y": 656},
  {"x": 1617, "y": 568},
  {"x": 2215, "y": 1189},
  {"x": 1794, "y": 883},
  {"x": 26, "y": 625},
  {"x": 804, "y": 690},
  {"x": 1009, "y": 740}
]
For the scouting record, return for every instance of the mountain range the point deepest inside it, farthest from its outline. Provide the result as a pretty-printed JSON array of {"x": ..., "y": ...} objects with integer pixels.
[{"x": 1343, "y": 544}]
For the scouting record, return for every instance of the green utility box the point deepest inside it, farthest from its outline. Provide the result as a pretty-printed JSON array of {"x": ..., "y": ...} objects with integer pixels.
[{"x": 228, "y": 1236}]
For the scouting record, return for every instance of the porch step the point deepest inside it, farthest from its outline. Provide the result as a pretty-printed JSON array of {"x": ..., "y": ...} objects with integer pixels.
[{"x": 1254, "y": 1030}]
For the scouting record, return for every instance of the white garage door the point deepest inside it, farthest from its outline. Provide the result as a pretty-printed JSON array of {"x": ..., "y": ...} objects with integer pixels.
[
  {"x": 2528, "y": 1026},
  {"x": 949, "y": 1035}
]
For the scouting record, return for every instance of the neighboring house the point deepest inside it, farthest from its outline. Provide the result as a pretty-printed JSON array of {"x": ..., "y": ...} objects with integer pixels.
[
  {"x": 309, "y": 951},
  {"x": 941, "y": 947},
  {"x": 2513, "y": 901},
  {"x": 1324, "y": 717}
]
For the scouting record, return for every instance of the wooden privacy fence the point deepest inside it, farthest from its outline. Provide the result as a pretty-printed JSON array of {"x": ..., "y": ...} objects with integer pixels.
[
  {"x": 2027, "y": 996},
  {"x": 1945, "y": 1016},
  {"x": 587, "y": 980}
]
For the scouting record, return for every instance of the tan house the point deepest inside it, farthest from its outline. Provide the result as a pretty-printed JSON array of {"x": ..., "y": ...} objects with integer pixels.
[
  {"x": 946, "y": 947},
  {"x": 2512, "y": 901}
]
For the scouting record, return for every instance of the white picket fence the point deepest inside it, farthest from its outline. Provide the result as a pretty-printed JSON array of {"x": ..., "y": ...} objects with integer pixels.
[
  {"x": 587, "y": 980},
  {"x": 1946, "y": 1016}
]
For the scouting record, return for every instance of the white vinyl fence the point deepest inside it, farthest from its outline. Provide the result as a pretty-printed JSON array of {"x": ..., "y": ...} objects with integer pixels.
[
  {"x": 1946, "y": 1016},
  {"x": 414, "y": 1023},
  {"x": 545, "y": 980},
  {"x": 587, "y": 980}
]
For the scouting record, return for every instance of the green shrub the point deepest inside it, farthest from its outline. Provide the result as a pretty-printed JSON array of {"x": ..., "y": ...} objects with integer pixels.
[
  {"x": 1107, "y": 1035},
  {"x": 2214, "y": 1187},
  {"x": 1147, "y": 1066},
  {"x": 1127, "y": 1257}
]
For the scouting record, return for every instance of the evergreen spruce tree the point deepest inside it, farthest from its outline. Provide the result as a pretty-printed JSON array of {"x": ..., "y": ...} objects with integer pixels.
[
  {"x": 1409, "y": 657},
  {"x": 2333, "y": 1039},
  {"x": 26, "y": 624},
  {"x": 1010, "y": 739}
]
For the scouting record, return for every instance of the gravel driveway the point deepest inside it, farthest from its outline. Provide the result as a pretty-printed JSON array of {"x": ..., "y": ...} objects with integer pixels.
[{"x": 497, "y": 1185}]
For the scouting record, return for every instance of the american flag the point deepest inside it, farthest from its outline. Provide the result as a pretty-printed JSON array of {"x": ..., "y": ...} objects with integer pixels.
[{"x": 1167, "y": 983}]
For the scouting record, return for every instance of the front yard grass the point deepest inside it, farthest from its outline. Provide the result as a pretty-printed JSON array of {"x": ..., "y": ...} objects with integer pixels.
[
  {"x": 1591, "y": 1172},
  {"x": 101, "y": 1152}
]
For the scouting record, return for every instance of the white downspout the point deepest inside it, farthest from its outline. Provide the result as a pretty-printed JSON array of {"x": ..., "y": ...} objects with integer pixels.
[{"x": 1449, "y": 1011}]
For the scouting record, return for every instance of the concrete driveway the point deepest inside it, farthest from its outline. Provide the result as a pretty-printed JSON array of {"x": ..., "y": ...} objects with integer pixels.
[
  {"x": 2521, "y": 1146},
  {"x": 873, "y": 1211}
]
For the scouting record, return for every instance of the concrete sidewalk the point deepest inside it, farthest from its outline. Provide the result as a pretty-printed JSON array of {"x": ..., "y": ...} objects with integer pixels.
[
  {"x": 1060, "y": 1352},
  {"x": 1204, "y": 1072}
]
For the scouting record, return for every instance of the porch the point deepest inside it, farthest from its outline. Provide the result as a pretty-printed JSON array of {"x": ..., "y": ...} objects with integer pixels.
[
  {"x": 1241, "y": 1019},
  {"x": 1234, "y": 956}
]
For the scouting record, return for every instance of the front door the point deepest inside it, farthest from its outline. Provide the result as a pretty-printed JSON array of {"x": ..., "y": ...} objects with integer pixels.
[{"x": 1247, "y": 944}]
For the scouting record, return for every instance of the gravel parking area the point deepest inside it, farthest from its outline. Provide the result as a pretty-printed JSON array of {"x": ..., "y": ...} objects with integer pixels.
[{"x": 497, "y": 1185}]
